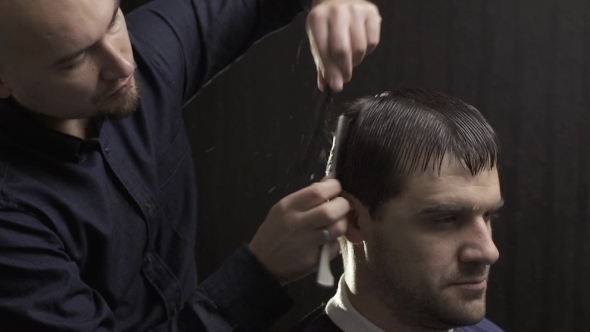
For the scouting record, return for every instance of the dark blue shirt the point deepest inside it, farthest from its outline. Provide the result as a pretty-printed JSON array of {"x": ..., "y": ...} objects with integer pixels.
[{"x": 99, "y": 234}]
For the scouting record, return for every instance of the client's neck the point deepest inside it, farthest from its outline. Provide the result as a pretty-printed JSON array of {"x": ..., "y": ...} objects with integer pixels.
[{"x": 366, "y": 300}]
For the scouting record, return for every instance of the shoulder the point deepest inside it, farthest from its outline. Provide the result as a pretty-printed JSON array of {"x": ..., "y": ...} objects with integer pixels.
[
  {"x": 316, "y": 321},
  {"x": 485, "y": 325}
]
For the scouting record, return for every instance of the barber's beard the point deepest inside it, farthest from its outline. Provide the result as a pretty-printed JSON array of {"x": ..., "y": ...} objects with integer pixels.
[
  {"x": 119, "y": 107},
  {"x": 409, "y": 298}
]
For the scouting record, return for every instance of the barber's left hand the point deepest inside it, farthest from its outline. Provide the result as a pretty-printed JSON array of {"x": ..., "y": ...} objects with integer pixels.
[{"x": 341, "y": 33}]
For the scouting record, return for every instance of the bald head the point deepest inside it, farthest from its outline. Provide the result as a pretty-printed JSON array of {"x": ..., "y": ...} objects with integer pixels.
[
  {"x": 22, "y": 23},
  {"x": 34, "y": 27}
]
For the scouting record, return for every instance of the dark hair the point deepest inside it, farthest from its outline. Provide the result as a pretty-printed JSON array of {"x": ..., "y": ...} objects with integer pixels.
[{"x": 400, "y": 132}]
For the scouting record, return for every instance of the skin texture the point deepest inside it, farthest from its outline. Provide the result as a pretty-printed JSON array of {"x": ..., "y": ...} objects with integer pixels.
[
  {"x": 404, "y": 271},
  {"x": 66, "y": 95}
]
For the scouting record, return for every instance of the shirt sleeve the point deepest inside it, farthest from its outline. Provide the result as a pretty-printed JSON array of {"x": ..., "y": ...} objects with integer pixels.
[
  {"x": 41, "y": 289},
  {"x": 240, "y": 296},
  {"x": 189, "y": 42}
]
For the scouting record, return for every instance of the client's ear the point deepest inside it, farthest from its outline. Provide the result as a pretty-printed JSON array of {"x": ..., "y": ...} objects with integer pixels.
[{"x": 355, "y": 233}]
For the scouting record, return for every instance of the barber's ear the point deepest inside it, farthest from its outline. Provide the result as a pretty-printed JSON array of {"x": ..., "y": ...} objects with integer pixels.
[{"x": 355, "y": 233}]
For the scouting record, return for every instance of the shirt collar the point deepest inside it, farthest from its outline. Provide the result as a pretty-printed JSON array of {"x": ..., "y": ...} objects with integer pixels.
[
  {"x": 345, "y": 316},
  {"x": 22, "y": 129}
]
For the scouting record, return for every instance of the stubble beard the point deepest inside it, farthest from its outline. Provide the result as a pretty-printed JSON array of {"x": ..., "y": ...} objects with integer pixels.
[
  {"x": 120, "y": 108},
  {"x": 416, "y": 303}
]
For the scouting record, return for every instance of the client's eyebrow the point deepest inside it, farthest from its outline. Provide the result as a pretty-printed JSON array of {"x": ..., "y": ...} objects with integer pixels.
[
  {"x": 455, "y": 208},
  {"x": 443, "y": 208}
]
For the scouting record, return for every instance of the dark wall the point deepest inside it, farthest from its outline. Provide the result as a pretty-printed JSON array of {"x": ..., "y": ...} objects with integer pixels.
[{"x": 523, "y": 63}]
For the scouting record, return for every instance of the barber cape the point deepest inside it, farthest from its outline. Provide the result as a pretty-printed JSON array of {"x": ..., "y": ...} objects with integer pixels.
[{"x": 338, "y": 315}]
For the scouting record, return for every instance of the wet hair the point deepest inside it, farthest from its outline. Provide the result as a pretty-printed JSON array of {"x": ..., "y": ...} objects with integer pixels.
[{"x": 404, "y": 131}]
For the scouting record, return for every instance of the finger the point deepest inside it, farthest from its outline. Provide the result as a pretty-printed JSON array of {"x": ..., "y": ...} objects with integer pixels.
[
  {"x": 335, "y": 230},
  {"x": 325, "y": 215},
  {"x": 339, "y": 64},
  {"x": 317, "y": 59},
  {"x": 358, "y": 40},
  {"x": 312, "y": 196},
  {"x": 334, "y": 77},
  {"x": 373, "y": 30}
]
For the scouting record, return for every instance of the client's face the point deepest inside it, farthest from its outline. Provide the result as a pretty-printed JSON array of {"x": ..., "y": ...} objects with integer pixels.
[{"x": 431, "y": 251}]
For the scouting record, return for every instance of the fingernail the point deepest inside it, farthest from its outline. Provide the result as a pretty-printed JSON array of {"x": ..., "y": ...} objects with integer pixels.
[
  {"x": 333, "y": 85},
  {"x": 336, "y": 86}
]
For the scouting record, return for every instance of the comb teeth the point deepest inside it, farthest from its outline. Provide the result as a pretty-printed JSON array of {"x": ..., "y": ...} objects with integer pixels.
[{"x": 337, "y": 147}]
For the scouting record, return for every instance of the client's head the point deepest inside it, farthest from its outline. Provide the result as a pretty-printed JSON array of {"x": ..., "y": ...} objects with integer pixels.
[{"x": 420, "y": 169}]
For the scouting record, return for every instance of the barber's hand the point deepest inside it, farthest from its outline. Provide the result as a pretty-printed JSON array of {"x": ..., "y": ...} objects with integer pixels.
[
  {"x": 288, "y": 242},
  {"x": 341, "y": 33}
]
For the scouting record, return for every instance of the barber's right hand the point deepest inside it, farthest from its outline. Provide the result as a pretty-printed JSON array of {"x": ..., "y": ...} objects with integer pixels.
[{"x": 288, "y": 242}]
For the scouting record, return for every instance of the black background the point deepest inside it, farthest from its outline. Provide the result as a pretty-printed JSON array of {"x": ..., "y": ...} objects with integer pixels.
[{"x": 523, "y": 63}]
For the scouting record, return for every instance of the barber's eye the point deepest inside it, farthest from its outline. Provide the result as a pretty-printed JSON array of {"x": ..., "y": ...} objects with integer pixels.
[
  {"x": 74, "y": 65},
  {"x": 115, "y": 22},
  {"x": 77, "y": 63}
]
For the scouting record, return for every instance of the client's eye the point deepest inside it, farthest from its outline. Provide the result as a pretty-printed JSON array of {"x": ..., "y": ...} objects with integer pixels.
[
  {"x": 446, "y": 219},
  {"x": 491, "y": 215}
]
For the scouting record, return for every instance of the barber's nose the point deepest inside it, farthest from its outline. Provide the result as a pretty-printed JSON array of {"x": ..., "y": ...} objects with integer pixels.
[
  {"x": 116, "y": 64},
  {"x": 479, "y": 246}
]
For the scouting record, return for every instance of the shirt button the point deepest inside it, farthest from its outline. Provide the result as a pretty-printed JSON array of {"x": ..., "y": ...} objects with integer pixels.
[{"x": 148, "y": 206}]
